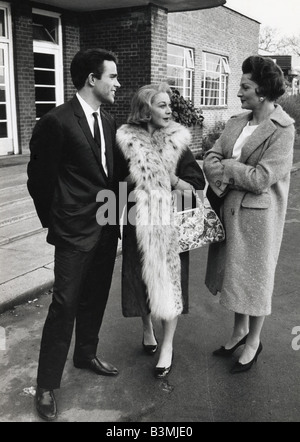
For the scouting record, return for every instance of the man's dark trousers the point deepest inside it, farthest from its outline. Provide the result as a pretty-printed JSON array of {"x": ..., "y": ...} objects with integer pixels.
[{"x": 80, "y": 292}]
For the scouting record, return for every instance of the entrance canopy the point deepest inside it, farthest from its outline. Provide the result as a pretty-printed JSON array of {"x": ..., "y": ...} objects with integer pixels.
[{"x": 95, "y": 5}]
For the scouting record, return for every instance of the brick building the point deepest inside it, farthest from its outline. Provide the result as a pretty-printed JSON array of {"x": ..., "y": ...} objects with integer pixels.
[{"x": 197, "y": 45}]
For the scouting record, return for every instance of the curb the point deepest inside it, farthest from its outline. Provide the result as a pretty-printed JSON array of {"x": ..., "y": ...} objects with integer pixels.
[
  {"x": 14, "y": 160},
  {"x": 37, "y": 282}
]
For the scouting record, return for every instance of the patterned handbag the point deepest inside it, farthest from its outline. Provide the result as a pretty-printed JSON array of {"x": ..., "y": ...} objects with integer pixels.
[{"x": 198, "y": 227}]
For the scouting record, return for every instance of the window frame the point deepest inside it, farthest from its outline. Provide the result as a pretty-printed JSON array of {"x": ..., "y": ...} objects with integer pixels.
[
  {"x": 188, "y": 71},
  {"x": 52, "y": 48},
  {"x": 222, "y": 80}
]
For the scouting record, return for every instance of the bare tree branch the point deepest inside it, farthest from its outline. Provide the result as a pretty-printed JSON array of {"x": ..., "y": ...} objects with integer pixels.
[
  {"x": 292, "y": 43},
  {"x": 270, "y": 41}
]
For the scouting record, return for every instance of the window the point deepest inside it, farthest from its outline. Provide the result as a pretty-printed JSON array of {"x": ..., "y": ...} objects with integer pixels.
[
  {"x": 3, "y": 103},
  {"x": 2, "y": 22},
  {"x": 180, "y": 69},
  {"x": 48, "y": 70},
  {"x": 45, "y": 28},
  {"x": 214, "y": 82},
  {"x": 8, "y": 121}
]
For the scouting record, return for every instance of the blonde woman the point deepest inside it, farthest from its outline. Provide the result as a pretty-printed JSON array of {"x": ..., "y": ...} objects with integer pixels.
[{"x": 155, "y": 276}]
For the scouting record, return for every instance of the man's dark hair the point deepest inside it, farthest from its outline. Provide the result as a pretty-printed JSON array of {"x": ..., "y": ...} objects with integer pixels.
[
  {"x": 267, "y": 74},
  {"x": 87, "y": 62}
]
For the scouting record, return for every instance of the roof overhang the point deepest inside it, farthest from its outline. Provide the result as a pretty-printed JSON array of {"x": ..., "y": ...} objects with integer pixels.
[{"x": 95, "y": 5}]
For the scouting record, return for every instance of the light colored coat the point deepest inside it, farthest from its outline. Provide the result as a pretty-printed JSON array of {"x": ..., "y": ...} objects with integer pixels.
[{"x": 255, "y": 191}]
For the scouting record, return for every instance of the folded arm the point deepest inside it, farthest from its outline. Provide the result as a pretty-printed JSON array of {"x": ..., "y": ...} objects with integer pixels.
[
  {"x": 275, "y": 164},
  {"x": 224, "y": 174}
]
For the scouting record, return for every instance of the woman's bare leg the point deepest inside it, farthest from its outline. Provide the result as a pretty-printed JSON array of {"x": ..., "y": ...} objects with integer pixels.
[
  {"x": 166, "y": 352},
  {"x": 240, "y": 329},
  {"x": 149, "y": 336},
  {"x": 255, "y": 326}
]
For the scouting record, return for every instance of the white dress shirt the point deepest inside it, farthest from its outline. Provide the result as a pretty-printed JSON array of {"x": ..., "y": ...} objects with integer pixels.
[
  {"x": 241, "y": 141},
  {"x": 89, "y": 111}
]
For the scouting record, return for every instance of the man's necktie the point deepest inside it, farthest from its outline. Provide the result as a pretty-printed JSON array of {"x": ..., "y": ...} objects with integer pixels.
[{"x": 97, "y": 136}]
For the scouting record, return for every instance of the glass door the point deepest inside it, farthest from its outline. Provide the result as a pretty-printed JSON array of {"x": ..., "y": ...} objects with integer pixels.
[{"x": 6, "y": 132}]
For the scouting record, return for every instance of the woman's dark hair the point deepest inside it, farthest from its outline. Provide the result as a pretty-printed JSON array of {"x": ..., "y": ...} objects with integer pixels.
[
  {"x": 267, "y": 74},
  {"x": 89, "y": 62}
]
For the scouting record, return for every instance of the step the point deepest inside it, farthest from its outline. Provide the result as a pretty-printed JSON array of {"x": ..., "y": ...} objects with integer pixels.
[
  {"x": 20, "y": 229},
  {"x": 10, "y": 177},
  {"x": 14, "y": 160},
  {"x": 15, "y": 211},
  {"x": 25, "y": 256},
  {"x": 13, "y": 194}
]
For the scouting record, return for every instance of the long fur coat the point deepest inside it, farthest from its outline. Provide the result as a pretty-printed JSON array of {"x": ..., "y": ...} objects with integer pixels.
[{"x": 151, "y": 160}]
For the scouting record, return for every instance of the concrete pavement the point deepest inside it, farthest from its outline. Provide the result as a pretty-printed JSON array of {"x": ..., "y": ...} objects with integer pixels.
[
  {"x": 199, "y": 388},
  {"x": 26, "y": 268}
]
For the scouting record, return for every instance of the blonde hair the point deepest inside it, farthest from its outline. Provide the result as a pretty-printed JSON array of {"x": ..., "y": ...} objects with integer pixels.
[{"x": 142, "y": 102}]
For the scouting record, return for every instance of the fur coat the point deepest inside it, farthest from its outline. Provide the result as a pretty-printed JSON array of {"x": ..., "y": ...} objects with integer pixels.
[
  {"x": 151, "y": 159},
  {"x": 255, "y": 191}
]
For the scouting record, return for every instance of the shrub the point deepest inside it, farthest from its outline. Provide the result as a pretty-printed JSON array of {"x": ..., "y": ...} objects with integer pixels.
[
  {"x": 291, "y": 104},
  {"x": 184, "y": 112},
  {"x": 212, "y": 136}
]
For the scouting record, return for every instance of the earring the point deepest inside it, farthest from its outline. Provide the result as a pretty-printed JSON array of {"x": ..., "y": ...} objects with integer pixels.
[{"x": 261, "y": 99}]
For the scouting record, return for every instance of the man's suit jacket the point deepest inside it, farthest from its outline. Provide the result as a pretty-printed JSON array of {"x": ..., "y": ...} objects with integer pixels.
[{"x": 65, "y": 174}]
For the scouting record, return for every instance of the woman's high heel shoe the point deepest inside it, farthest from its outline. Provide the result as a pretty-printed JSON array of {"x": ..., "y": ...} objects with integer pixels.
[
  {"x": 226, "y": 353},
  {"x": 150, "y": 349},
  {"x": 162, "y": 372},
  {"x": 241, "y": 368}
]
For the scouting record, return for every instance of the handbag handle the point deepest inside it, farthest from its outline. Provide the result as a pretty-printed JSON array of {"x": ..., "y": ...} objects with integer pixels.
[
  {"x": 197, "y": 197},
  {"x": 199, "y": 203}
]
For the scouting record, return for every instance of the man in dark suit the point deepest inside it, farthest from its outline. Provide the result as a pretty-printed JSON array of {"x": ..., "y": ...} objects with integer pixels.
[{"x": 73, "y": 157}]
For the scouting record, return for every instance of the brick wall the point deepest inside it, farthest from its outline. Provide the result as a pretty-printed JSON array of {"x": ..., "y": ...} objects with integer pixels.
[
  {"x": 71, "y": 45},
  {"x": 24, "y": 74},
  {"x": 127, "y": 32},
  {"x": 223, "y": 32},
  {"x": 159, "y": 40},
  {"x": 139, "y": 38}
]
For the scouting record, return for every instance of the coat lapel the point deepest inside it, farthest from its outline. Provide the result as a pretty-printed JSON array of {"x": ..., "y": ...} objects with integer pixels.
[
  {"x": 265, "y": 130},
  {"x": 87, "y": 132},
  {"x": 233, "y": 134},
  {"x": 259, "y": 136}
]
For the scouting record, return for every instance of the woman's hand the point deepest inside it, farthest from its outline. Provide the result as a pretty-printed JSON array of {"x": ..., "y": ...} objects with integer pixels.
[
  {"x": 179, "y": 184},
  {"x": 174, "y": 180}
]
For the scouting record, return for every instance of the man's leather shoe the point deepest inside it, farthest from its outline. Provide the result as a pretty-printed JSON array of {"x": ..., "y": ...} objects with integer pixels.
[
  {"x": 45, "y": 404},
  {"x": 99, "y": 367}
]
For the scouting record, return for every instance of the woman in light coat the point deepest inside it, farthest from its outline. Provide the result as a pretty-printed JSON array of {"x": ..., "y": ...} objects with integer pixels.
[
  {"x": 249, "y": 170},
  {"x": 154, "y": 275}
]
